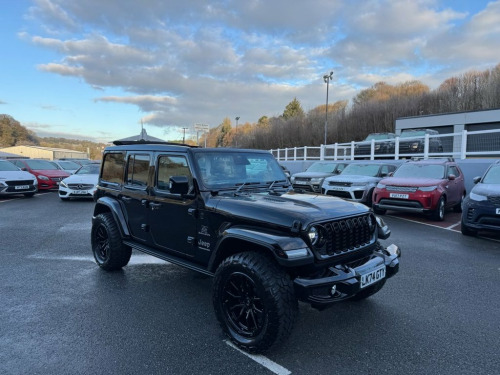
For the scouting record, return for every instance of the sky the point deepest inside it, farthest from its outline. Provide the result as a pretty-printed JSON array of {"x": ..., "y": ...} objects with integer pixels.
[{"x": 101, "y": 69}]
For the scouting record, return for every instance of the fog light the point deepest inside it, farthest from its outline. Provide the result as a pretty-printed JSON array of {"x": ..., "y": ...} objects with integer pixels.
[
  {"x": 334, "y": 290},
  {"x": 394, "y": 250}
]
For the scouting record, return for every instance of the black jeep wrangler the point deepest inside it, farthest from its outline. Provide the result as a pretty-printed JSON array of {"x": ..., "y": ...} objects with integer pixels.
[{"x": 231, "y": 214}]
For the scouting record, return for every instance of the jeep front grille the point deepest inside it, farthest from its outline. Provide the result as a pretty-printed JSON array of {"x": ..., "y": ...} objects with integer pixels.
[{"x": 347, "y": 235}]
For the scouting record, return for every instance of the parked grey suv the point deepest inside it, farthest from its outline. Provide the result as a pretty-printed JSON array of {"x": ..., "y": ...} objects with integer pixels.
[
  {"x": 312, "y": 178},
  {"x": 357, "y": 180}
]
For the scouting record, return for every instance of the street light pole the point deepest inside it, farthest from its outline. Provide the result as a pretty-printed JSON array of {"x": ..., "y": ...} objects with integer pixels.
[
  {"x": 236, "y": 134},
  {"x": 327, "y": 78},
  {"x": 184, "y": 135}
]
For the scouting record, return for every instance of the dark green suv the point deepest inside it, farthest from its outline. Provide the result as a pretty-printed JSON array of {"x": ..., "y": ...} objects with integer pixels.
[{"x": 231, "y": 214}]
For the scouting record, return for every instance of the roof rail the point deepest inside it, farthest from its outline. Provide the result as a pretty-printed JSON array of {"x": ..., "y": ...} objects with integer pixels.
[
  {"x": 143, "y": 142},
  {"x": 437, "y": 158}
]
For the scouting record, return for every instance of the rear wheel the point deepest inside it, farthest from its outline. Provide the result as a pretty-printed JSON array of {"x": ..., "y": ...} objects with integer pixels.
[
  {"x": 438, "y": 213},
  {"x": 109, "y": 251},
  {"x": 254, "y": 301}
]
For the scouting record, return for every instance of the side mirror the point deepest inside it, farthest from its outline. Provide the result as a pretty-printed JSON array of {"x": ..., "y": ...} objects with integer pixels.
[
  {"x": 451, "y": 177},
  {"x": 179, "y": 185},
  {"x": 476, "y": 179},
  {"x": 390, "y": 174}
]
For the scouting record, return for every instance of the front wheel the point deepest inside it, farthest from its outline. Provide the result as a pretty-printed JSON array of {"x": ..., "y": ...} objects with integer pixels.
[
  {"x": 466, "y": 231},
  {"x": 254, "y": 301},
  {"x": 438, "y": 213},
  {"x": 109, "y": 251}
]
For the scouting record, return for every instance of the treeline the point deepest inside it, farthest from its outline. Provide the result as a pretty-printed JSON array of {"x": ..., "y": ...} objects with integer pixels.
[
  {"x": 372, "y": 110},
  {"x": 12, "y": 133}
]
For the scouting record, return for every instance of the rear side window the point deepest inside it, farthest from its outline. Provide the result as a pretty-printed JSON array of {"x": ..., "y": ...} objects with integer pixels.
[
  {"x": 138, "y": 170},
  {"x": 171, "y": 165},
  {"x": 454, "y": 171},
  {"x": 112, "y": 167}
]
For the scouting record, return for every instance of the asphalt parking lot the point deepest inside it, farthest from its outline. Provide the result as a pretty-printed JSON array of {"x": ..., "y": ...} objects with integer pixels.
[{"x": 60, "y": 314}]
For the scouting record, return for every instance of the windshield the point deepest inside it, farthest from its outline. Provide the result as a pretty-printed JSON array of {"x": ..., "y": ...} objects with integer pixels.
[
  {"x": 322, "y": 167},
  {"x": 378, "y": 137},
  {"x": 492, "y": 176},
  {"x": 413, "y": 133},
  {"x": 68, "y": 165},
  {"x": 229, "y": 170},
  {"x": 420, "y": 171},
  {"x": 6, "y": 166},
  {"x": 41, "y": 165},
  {"x": 361, "y": 170},
  {"x": 89, "y": 169}
]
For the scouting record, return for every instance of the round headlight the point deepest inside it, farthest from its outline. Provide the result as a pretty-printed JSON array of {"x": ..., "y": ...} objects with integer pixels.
[{"x": 313, "y": 235}]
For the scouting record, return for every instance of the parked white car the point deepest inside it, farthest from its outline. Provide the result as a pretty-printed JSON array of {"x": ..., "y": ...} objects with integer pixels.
[
  {"x": 15, "y": 181},
  {"x": 81, "y": 184}
]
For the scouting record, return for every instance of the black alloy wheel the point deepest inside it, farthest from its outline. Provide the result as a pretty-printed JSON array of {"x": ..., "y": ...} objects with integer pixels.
[
  {"x": 109, "y": 251},
  {"x": 243, "y": 306}
]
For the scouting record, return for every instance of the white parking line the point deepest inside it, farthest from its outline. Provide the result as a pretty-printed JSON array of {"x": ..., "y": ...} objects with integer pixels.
[{"x": 263, "y": 361}]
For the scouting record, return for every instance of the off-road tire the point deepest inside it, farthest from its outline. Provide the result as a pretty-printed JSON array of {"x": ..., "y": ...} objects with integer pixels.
[
  {"x": 254, "y": 301},
  {"x": 438, "y": 213},
  {"x": 109, "y": 251},
  {"x": 369, "y": 291}
]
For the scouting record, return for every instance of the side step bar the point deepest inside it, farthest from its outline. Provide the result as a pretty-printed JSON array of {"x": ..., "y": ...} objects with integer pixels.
[{"x": 168, "y": 257}]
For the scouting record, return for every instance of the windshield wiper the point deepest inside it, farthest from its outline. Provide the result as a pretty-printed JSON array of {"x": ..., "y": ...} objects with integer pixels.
[{"x": 243, "y": 185}]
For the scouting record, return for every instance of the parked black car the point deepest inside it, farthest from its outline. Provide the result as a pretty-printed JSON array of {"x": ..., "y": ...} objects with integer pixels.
[
  {"x": 312, "y": 178},
  {"x": 384, "y": 144},
  {"x": 481, "y": 208},
  {"x": 230, "y": 214},
  {"x": 412, "y": 141}
]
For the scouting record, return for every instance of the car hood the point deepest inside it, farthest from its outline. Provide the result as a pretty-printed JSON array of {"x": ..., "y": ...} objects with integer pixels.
[
  {"x": 288, "y": 208},
  {"x": 487, "y": 189},
  {"x": 16, "y": 175},
  {"x": 51, "y": 172},
  {"x": 352, "y": 178},
  {"x": 82, "y": 179},
  {"x": 411, "y": 181},
  {"x": 312, "y": 174}
]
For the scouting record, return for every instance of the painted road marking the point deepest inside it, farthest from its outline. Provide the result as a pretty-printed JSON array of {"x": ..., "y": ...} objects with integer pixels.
[{"x": 263, "y": 361}]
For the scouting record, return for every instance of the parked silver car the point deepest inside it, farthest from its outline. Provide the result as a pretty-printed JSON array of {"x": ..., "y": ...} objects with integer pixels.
[
  {"x": 357, "y": 180},
  {"x": 311, "y": 179}
]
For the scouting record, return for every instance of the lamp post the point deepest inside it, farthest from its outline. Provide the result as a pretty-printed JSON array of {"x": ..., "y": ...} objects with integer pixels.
[
  {"x": 184, "y": 135},
  {"x": 236, "y": 133},
  {"x": 327, "y": 78}
]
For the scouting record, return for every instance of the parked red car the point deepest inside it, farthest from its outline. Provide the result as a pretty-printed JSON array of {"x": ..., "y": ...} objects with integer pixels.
[
  {"x": 426, "y": 186},
  {"x": 47, "y": 173}
]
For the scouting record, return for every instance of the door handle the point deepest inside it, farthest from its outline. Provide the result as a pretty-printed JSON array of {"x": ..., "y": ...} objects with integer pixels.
[
  {"x": 193, "y": 212},
  {"x": 126, "y": 199},
  {"x": 144, "y": 202},
  {"x": 154, "y": 206}
]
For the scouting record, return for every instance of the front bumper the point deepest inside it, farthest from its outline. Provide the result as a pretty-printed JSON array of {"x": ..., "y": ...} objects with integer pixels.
[
  {"x": 345, "y": 282},
  {"x": 73, "y": 193}
]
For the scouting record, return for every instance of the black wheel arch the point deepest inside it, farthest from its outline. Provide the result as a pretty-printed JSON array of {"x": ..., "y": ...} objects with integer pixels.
[{"x": 106, "y": 204}]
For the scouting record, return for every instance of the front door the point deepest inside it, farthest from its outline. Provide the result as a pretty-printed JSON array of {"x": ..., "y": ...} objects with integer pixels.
[{"x": 172, "y": 217}]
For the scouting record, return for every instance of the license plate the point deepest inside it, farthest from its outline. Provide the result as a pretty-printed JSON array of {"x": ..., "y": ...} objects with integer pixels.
[
  {"x": 400, "y": 196},
  {"x": 301, "y": 182},
  {"x": 80, "y": 192},
  {"x": 372, "y": 277},
  {"x": 337, "y": 188},
  {"x": 22, "y": 187},
  {"x": 498, "y": 211}
]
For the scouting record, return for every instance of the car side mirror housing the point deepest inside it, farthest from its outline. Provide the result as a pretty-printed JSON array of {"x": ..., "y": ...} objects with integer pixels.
[
  {"x": 179, "y": 185},
  {"x": 476, "y": 179},
  {"x": 451, "y": 177}
]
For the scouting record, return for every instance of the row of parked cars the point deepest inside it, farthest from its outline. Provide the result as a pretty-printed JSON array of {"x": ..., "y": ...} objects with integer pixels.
[
  {"x": 429, "y": 186},
  {"x": 71, "y": 178}
]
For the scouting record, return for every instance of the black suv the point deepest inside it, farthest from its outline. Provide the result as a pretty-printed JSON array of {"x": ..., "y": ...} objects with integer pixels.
[
  {"x": 231, "y": 214},
  {"x": 383, "y": 144},
  {"x": 412, "y": 141}
]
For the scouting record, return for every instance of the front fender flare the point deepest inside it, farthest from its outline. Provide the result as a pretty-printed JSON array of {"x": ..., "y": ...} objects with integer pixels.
[{"x": 278, "y": 245}]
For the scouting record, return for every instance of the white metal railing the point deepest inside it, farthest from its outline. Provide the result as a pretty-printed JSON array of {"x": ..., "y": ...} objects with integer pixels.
[{"x": 485, "y": 143}]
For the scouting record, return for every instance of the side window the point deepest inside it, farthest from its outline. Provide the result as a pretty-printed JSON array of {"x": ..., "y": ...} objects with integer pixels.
[
  {"x": 385, "y": 169},
  {"x": 137, "y": 170},
  {"x": 172, "y": 165},
  {"x": 112, "y": 167},
  {"x": 454, "y": 171},
  {"x": 340, "y": 168}
]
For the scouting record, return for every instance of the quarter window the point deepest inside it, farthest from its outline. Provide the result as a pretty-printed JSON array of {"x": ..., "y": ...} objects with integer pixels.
[
  {"x": 112, "y": 167},
  {"x": 138, "y": 170},
  {"x": 169, "y": 166}
]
